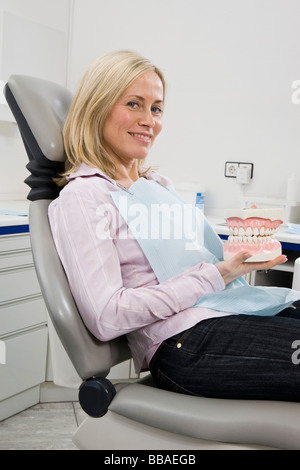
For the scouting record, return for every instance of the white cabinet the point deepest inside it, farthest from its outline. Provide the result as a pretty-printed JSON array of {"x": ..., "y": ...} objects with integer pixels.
[
  {"x": 23, "y": 328},
  {"x": 26, "y": 373}
]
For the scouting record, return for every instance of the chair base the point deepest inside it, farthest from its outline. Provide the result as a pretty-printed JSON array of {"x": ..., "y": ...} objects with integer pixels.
[{"x": 116, "y": 432}]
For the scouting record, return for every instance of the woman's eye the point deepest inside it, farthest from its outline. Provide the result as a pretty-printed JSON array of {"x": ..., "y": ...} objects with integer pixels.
[
  {"x": 133, "y": 104},
  {"x": 156, "y": 110}
]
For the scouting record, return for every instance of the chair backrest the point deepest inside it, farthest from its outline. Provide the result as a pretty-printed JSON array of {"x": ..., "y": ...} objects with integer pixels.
[{"x": 40, "y": 108}]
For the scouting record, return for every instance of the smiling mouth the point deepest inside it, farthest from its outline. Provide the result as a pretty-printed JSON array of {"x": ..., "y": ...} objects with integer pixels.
[{"x": 143, "y": 137}]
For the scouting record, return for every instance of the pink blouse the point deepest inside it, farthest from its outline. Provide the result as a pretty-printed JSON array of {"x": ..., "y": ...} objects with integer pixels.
[{"x": 112, "y": 282}]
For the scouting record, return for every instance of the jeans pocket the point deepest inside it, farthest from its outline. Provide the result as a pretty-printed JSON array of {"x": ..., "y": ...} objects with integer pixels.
[
  {"x": 164, "y": 382},
  {"x": 180, "y": 339}
]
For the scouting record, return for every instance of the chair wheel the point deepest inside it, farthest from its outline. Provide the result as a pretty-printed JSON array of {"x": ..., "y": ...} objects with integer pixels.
[{"x": 95, "y": 396}]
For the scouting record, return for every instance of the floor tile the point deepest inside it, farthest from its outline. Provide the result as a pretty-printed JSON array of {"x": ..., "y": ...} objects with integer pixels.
[
  {"x": 46, "y": 426},
  {"x": 79, "y": 413}
]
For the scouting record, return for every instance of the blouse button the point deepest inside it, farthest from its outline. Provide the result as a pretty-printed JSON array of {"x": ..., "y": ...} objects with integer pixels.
[{"x": 178, "y": 345}]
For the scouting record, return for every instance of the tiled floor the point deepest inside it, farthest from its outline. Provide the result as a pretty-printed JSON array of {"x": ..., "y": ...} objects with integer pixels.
[{"x": 46, "y": 426}]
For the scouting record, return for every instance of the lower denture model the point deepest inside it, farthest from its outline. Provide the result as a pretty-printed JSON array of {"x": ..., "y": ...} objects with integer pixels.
[{"x": 253, "y": 230}]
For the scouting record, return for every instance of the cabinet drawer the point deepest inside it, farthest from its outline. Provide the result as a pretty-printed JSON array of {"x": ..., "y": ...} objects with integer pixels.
[
  {"x": 21, "y": 315},
  {"x": 14, "y": 242},
  {"x": 18, "y": 283},
  {"x": 12, "y": 260},
  {"x": 25, "y": 362}
]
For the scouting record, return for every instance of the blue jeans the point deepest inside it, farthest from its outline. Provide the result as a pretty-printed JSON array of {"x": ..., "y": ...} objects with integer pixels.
[{"x": 238, "y": 356}]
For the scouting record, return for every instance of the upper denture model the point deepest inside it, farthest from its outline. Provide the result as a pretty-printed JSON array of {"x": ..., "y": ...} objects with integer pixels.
[{"x": 253, "y": 230}]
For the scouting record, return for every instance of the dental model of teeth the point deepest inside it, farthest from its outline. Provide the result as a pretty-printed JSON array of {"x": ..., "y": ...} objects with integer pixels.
[{"x": 253, "y": 230}]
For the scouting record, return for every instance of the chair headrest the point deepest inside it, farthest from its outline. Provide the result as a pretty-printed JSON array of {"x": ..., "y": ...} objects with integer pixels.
[{"x": 40, "y": 108}]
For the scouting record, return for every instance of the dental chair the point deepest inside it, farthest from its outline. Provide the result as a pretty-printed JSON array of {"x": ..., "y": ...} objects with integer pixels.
[{"x": 134, "y": 415}]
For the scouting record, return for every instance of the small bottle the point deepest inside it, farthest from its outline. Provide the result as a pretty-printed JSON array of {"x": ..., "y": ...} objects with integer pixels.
[
  {"x": 200, "y": 201},
  {"x": 292, "y": 189}
]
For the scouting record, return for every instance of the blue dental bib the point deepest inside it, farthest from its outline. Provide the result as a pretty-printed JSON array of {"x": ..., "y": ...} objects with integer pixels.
[{"x": 175, "y": 236}]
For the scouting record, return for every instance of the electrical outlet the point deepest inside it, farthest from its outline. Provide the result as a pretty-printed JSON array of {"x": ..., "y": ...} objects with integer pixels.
[
  {"x": 249, "y": 166},
  {"x": 231, "y": 168}
]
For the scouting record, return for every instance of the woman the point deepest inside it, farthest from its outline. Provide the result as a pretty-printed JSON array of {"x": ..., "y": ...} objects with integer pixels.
[{"x": 113, "y": 122}]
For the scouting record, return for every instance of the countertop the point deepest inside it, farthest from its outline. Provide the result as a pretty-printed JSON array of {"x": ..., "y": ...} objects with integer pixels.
[{"x": 10, "y": 210}]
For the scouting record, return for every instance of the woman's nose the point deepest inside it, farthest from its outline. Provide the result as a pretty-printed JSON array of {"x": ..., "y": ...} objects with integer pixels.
[{"x": 146, "y": 119}]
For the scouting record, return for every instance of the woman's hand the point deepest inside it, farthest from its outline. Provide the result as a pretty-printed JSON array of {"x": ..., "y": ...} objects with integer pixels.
[{"x": 236, "y": 266}]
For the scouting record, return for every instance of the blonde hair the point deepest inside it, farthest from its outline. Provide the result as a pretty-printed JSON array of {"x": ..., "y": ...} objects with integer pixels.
[{"x": 102, "y": 85}]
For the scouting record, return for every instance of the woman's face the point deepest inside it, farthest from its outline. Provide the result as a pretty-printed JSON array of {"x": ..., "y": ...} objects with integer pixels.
[{"x": 135, "y": 120}]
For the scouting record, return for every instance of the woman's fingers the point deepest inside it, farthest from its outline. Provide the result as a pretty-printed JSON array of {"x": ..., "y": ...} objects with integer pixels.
[
  {"x": 265, "y": 265},
  {"x": 236, "y": 266},
  {"x": 235, "y": 262}
]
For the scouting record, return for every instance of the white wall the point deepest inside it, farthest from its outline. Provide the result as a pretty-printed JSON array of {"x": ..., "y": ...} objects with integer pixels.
[
  {"x": 34, "y": 41},
  {"x": 230, "y": 65}
]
